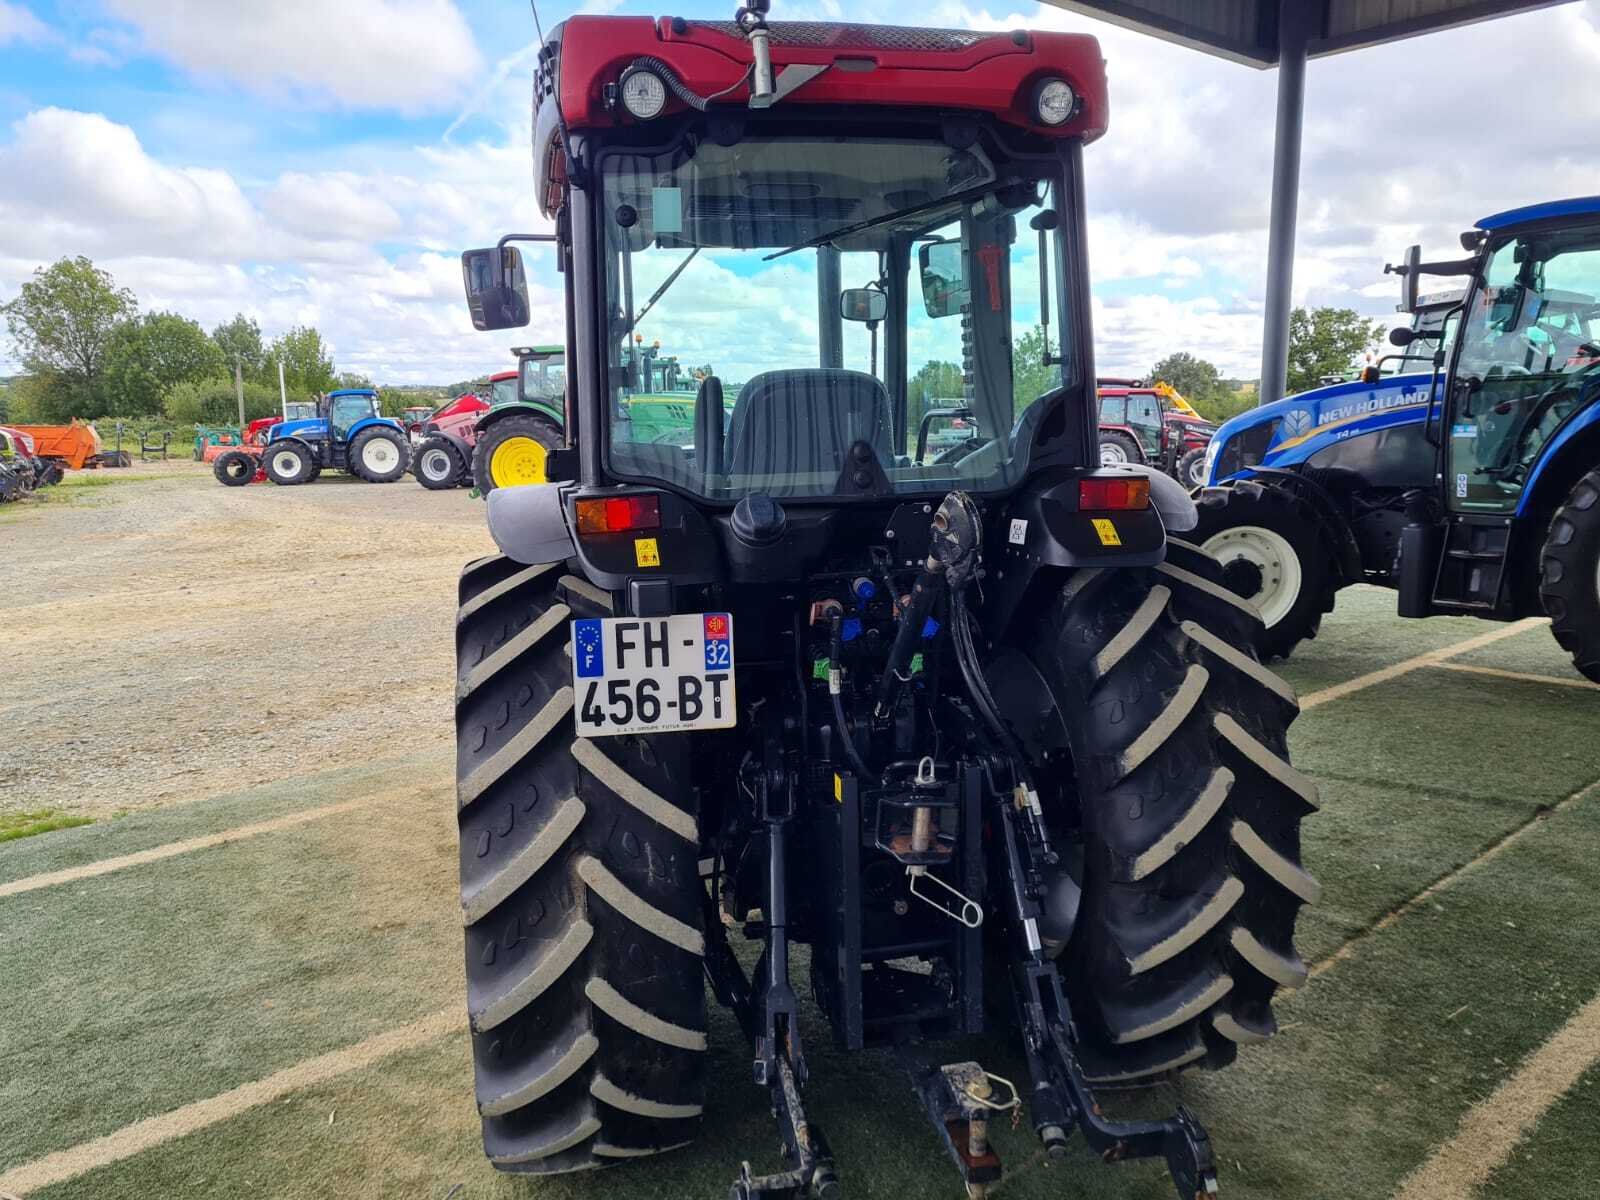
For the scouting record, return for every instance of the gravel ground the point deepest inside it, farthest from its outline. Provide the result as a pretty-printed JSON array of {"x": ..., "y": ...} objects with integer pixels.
[{"x": 180, "y": 639}]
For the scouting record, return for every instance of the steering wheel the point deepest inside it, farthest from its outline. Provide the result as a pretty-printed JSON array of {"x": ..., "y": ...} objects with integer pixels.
[{"x": 960, "y": 450}]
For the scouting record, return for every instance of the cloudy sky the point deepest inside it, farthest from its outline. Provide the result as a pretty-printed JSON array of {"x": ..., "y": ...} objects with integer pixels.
[{"x": 324, "y": 161}]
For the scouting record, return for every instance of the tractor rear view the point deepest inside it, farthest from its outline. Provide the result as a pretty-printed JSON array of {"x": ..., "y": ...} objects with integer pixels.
[
  {"x": 1469, "y": 480},
  {"x": 975, "y": 724}
]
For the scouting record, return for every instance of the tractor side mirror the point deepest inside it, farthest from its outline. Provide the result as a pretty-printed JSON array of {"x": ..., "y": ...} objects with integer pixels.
[
  {"x": 940, "y": 265},
  {"x": 497, "y": 289},
  {"x": 863, "y": 304},
  {"x": 1410, "y": 274}
]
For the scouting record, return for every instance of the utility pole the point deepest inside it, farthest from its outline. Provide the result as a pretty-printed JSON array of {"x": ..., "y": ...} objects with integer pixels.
[
  {"x": 238, "y": 387},
  {"x": 283, "y": 392}
]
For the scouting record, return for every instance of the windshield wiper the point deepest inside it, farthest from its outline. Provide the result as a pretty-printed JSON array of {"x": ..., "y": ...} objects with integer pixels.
[
  {"x": 823, "y": 239},
  {"x": 662, "y": 290}
]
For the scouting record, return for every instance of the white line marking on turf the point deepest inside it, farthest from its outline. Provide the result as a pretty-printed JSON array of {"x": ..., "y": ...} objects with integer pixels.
[
  {"x": 1431, "y": 659},
  {"x": 1524, "y": 676},
  {"x": 1433, "y": 889},
  {"x": 1491, "y": 1128},
  {"x": 144, "y": 1135},
  {"x": 106, "y": 866}
]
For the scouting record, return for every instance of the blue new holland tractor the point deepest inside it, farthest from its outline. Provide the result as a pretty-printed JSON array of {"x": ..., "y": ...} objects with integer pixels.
[
  {"x": 347, "y": 434},
  {"x": 1472, "y": 487}
]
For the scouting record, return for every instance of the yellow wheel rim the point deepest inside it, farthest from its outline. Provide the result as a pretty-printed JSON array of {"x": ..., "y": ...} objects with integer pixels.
[{"x": 517, "y": 461}]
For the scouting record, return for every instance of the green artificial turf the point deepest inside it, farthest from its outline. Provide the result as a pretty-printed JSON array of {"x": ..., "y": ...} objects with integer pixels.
[
  {"x": 1560, "y": 1160},
  {"x": 172, "y": 982}
]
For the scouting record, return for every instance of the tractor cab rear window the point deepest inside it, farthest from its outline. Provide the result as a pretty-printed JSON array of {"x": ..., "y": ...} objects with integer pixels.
[
  {"x": 806, "y": 316},
  {"x": 544, "y": 378}
]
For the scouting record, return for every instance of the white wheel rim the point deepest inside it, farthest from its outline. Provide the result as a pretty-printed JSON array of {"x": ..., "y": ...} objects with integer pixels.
[
  {"x": 1112, "y": 454},
  {"x": 379, "y": 456},
  {"x": 1272, "y": 554},
  {"x": 436, "y": 464},
  {"x": 286, "y": 463}
]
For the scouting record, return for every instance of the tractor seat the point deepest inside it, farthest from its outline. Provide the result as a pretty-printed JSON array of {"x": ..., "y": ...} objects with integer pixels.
[{"x": 794, "y": 428}]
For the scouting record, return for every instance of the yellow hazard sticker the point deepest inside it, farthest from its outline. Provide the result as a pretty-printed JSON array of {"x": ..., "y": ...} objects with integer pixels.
[
  {"x": 838, "y": 790},
  {"x": 646, "y": 554},
  {"x": 1106, "y": 530}
]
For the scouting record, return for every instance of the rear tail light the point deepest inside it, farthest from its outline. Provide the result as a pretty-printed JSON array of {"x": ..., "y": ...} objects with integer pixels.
[
  {"x": 619, "y": 514},
  {"x": 1120, "y": 493}
]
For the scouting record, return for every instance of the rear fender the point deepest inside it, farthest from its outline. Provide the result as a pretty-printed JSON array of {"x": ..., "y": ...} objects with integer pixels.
[
  {"x": 502, "y": 411},
  {"x": 529, "y": 523},
  {"x": 1042, "y": 531},
  {"x": 367, "y": 423},
  {"x": 461, "y": 446}
]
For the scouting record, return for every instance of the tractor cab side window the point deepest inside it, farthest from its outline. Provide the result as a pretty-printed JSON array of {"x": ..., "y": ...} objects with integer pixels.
[
  {"x": 346, "y": 411},
  {"x": 1529, "y": 358}
]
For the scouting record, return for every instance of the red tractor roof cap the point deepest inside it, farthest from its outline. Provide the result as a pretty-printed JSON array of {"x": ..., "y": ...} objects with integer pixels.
[{"x": 869, "y": 65}]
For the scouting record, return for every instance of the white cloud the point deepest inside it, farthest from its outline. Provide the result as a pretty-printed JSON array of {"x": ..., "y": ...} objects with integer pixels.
[
  {"x": 1406, "y": 143},
  {"x": 410, "y": 55},
  {"x": 18, "y": 24}
]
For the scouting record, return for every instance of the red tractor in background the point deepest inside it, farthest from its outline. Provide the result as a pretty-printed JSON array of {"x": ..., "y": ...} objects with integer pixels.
[{"x": 1152, "y": 424}]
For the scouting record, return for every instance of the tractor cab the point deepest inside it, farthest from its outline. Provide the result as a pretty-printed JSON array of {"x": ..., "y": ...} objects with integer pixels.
[
  {"x": 541, "y": 374},
  {"x": 830, "y": 364}
]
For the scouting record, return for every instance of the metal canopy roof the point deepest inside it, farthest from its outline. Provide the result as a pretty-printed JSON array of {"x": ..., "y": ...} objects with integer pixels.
[{"x": 1247, "y": 31}]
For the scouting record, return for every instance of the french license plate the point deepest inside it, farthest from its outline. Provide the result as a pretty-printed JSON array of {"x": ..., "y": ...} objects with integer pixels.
[{"x": 653, "y": 674}]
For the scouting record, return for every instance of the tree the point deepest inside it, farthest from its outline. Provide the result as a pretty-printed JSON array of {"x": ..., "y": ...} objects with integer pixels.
[
  {"x": 351, "y": 379},
  {"x": 1030, "y": 377},
  {"x": 1195, "y": 379},
  {"x": 61, "y": 326},
  {"x": 307, "y": 365},
  {"x": 150, "y": 355},
  {"x": 240, "y": 342},
  {"x": 1327, "y": 341}
]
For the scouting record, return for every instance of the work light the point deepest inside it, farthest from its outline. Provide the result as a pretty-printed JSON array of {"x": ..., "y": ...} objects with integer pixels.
[
  {"x": 644, "y": 94},
  {"x": 1054, "y": 101}
]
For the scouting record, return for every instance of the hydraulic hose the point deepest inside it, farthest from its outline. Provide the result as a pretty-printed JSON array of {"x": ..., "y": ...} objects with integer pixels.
[{"x": 835, "y": 685}]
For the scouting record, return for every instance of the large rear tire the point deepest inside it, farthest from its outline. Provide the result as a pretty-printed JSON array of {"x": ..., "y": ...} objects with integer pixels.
[
  {"x": 514, "y": 451},
  {"x": 379, "y": 455},
  {"x": 1273, "y": 554},
  {"x": 1177, "y": 774},
  {"x": 1569, "y": 575},
  {"x": 234, "y": 468},
  {"x": 580, "y": 894},
  {"x": 1118, "y": 449}
]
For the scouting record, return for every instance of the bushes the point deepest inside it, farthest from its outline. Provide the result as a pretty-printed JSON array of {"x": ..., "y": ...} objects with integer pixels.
[{"x": 214, "y": 402}]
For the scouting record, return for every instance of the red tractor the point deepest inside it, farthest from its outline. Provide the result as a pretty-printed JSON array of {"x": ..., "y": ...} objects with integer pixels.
[
  {"x": 972, "y": 726},
  {"x": 1154, "y": 425}
]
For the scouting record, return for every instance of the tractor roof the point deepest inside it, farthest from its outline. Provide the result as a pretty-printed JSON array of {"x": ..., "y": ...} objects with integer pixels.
[
  {"x": 870, "y": 65},
  {"x": 1578, "y": 206}
]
